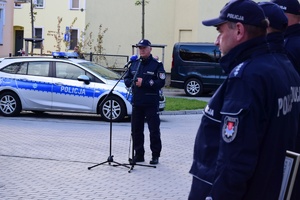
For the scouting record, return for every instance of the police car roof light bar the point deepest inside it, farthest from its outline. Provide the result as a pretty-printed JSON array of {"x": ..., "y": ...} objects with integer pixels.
[{"x": 59, "y": 54}]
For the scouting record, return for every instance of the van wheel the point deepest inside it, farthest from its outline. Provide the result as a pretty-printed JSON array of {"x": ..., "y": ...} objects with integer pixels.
[{"x": 193, "y": 87}]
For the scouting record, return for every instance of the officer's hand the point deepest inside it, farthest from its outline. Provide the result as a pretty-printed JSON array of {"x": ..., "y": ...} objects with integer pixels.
[{"x": 139, "y": 82}]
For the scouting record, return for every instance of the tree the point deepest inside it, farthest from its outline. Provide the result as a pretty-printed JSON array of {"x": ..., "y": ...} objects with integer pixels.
[
  {"x": 59, "y": 35},
  {"x": 142, "y": 2},
  {"x": 87, "y": 39},
  {"x": 32, "y": 19},
  {"x": 85, "y": 42}
]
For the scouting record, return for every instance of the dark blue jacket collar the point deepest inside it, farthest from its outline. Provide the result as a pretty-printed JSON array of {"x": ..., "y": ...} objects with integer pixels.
[
  {"x": 276, "y": 42},
  {"x": 242, "y": 52},
  {"x": 147, "y": 60},
  {"x": 292, "y": 30}
]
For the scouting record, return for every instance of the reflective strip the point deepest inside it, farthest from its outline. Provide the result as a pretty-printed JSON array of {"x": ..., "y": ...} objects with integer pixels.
[
  {"x": 219, "y": 121},
  {"x": 226, "y": 113},
  {"x": 209, "y": 183}
]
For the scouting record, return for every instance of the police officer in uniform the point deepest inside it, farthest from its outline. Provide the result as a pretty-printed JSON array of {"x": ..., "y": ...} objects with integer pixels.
[
  {"x": 278, "y": 24},
  {"x": 292, "y": 34},
  {"x": 291, "y": 8},
  {"x": 150, "y": 78},
  {"x": 252, "y": 118}
]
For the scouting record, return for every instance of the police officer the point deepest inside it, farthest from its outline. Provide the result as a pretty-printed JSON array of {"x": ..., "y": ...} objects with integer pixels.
[
  {"x": 278, "y": 24},
  {"x": 252, "y": 118},
  {"x": 292, "y": 34},
  {"x": 291, "y": 8},
  {"x": 146, "y": 76}
]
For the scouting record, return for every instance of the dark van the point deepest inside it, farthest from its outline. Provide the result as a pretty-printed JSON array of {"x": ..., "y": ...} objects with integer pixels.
[{"x": 196, "y": 68}]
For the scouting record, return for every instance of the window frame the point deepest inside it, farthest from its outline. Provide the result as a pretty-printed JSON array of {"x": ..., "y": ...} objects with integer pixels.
[
  {"x": 39, "y": 7},
  {"x": 72, "y": 44},
  {"x": 71, "y": 3},
  {"x": 18, "y": 5},
  {"x": 38, "y": 45},
  {"x": 2, "y": 24}
]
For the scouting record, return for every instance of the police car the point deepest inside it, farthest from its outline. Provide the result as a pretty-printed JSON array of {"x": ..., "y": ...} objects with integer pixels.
[{"x": 62, "y": 84}]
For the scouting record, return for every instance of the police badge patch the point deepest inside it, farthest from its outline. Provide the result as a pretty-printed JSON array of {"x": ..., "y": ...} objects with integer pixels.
[
  {"x": 151, "y": 82},
  {"x": 230, "y": 127},
  {"x": 162, "y": 76}
]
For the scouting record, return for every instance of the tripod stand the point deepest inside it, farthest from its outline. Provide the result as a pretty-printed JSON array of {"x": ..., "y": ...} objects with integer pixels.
[
  {"x": 110, "y": 157},
  {"x": 132, "y": 161}
]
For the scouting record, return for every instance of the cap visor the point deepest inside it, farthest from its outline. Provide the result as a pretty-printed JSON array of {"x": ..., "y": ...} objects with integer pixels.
[
  {"x": 142, "y": 45},
  {"x": 213, "y": 22}
]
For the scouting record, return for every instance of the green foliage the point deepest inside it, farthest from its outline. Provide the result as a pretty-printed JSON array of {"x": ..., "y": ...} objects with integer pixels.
[
  {"x": 58, "y": 35},
  {"x": 86, "y": 39},
  {"x": 173, "y": 104},
  {"x": 32, "y": 14},
  {"x": 86, "y": 42},
  {"x": 138, "y": 3}
]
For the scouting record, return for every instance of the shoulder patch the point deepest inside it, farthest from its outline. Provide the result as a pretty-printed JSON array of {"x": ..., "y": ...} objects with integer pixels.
[
  {"x": 162, "y": 76},
  {"x": 237, "y": 71},
  {"x": 230, "y": 127}
]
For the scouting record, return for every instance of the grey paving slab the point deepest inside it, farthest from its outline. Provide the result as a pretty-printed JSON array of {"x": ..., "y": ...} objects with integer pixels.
[{"x": 47, "y": 158}]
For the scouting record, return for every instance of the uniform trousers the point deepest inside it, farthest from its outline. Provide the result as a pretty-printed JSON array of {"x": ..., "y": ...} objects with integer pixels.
[{"x": 139, "y": 115}]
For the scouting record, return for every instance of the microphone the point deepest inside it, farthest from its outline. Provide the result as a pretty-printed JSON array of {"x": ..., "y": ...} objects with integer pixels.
[{"x": 132, "y": 59}]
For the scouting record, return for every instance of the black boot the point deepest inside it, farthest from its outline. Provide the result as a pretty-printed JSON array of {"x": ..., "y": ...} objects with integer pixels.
[
  {"x": 138, "y": 158},
  {"x": 154, "y": 160}
]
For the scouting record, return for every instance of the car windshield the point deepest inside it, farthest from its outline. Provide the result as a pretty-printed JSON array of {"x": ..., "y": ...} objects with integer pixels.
[{"x": 100, "y": 70}]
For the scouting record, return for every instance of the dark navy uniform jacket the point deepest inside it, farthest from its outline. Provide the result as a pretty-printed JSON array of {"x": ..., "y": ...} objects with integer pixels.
[
  {"x": 153, "y": 74},
  {"x": 276, "y": 42},
  {"x": 248, "y": 124},
  {"x": 292, "y": 44}
]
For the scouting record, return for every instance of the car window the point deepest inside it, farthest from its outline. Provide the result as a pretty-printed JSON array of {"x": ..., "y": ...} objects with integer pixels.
[
  {"x": 38, "y": 68},
  {"x": 196, "y": 53},
  {"x": 30, "y": 68},
  {"x": 101, "y": 71},
  {"x": 68, "y": 71},
  {"x": 16, "y": 68}
]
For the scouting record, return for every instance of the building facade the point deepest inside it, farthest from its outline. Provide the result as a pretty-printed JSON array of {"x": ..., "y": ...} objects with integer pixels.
[
  {"x": 165, "y": 23},
  {"x": 58, "y": 22},
  {"x": 6, "y": 24}
]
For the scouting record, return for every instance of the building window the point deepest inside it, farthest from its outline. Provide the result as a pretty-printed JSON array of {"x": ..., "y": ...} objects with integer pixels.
[
  {"x": 39, "y": 3},
  {"x": 1, "y": 26},
  {"x": 74, "y": 38},
  {"x": 38, "y": 34},
  {"x": 74, "y": 4},
  {"x": 18, "y": 5}
]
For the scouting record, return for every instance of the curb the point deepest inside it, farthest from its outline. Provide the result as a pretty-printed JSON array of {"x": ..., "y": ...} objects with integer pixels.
[{"x": 182, "y": 112}]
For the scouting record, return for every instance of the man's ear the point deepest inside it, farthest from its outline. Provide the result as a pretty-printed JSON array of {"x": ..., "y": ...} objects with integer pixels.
[{"x": 240, "y": 31}]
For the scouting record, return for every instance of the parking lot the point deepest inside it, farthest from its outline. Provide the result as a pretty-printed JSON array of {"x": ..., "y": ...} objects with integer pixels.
[{"x": 47, "y": 157}]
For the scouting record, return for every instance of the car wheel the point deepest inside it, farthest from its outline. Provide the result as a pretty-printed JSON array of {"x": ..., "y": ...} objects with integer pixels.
[
  {"x": 118, "y": 109},
  {"x": 10, "y": 104},
  {"x": 193, "y": 87}
]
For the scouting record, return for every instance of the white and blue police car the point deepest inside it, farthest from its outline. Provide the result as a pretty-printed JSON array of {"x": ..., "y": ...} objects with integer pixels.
[{"x": 62, "y": 84}]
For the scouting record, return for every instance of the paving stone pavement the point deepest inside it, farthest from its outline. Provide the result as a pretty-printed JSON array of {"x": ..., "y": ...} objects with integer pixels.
[{"x": 48, "y": 158}]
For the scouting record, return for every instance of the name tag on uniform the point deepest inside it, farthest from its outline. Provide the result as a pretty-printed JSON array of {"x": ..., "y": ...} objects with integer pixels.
[{"x": 150, "y": 73}]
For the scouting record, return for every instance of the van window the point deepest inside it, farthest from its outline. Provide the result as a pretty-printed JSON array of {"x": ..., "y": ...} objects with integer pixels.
[{"x": 192, "y": 53}]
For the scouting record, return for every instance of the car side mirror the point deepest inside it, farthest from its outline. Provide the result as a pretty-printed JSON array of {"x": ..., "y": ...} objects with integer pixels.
[{"x": 84, "y": 78}]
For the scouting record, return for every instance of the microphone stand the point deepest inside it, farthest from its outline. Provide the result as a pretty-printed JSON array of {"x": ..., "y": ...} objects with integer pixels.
[
  {"x": 132, "y": 162},
  {"x": 110, "y": 157}
]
